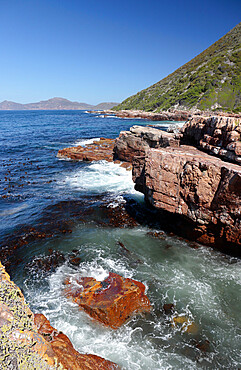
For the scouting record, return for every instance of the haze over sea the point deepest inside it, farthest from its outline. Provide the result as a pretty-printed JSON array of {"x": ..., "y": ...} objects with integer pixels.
[{"x": 37, "y": 189}]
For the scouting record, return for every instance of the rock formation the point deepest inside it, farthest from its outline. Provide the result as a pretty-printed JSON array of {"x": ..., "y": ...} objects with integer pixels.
[
  {"x": 162, "y": 116},
  {"x": 111, "y": 301},
  {"x": 134, "y": 143},
  {"x": 202, "y": 188},
  {"x": 29, "y": 342},
  {"x": 98, "y": 150},
  {"x": 218, "y": 135}
]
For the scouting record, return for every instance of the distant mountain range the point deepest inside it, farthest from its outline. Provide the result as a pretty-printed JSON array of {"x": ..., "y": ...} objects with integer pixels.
[
  {"x": 54, "y": 104},
  {"x": 210, "y": 81}
]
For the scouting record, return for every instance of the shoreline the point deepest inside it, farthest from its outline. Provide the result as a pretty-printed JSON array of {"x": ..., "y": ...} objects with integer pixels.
[{"x": 175, "y": 115}]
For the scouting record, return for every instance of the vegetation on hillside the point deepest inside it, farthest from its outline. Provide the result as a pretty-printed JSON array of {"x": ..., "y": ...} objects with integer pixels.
[{"x": 210, "y": 81}]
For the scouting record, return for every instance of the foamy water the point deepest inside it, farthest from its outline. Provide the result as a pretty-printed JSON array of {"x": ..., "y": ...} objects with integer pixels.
[
  {"x": 100, "y": 177},
  {"x": 203, "y": 286},
  {"x": 84, "y": 142}
]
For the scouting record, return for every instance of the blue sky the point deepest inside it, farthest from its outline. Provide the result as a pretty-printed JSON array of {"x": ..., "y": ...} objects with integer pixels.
[{"x": 101, "y": 50}]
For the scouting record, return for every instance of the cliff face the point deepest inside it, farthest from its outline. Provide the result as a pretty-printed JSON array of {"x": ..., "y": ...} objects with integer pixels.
[
  {"x": 218, "y": 135},
  {"x": 210, "y": 81},
  {"x": 201, "y": 191},
  {"x": 202, "y": 188}
]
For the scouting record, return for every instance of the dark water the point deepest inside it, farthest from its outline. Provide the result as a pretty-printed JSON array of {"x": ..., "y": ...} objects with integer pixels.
[{"x": 37, "y": 189}]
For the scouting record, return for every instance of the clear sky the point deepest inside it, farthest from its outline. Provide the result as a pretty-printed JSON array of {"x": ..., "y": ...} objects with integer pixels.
[{"x": 102, "y": 50}]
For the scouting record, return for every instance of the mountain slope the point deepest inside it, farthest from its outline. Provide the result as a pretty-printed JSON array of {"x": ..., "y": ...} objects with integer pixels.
[
  {"x": 212, "y": 80},
  {"x": 54, "y": 104}
]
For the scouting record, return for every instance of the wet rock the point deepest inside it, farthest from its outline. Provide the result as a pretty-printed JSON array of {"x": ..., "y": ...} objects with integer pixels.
[
  {"x": 99, "y": 150},
  {"x": 75, "y": 261},
  {"x": 47, "y": 263},
  {"x": 157, "y": 234},
  {"x": 204, "y": 345},
  {"x": 132, "y": 257},
  {"x": 111, "y": 301},
  {"x": 28, "y": 341},
  {"x": 64, "y": 351},
  {"x": 185, "y": 324},
  {"x": 168, "y": 308}
]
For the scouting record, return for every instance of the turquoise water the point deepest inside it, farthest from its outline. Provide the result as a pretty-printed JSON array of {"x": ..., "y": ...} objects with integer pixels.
[{"x": 203, "y": 285}]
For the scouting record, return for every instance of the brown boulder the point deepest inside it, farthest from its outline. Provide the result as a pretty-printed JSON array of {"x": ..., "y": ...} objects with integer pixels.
[{"x": 111, "y": 301}]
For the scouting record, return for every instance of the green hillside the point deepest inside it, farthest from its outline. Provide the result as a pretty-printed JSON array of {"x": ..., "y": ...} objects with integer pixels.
[{"x": 210, "y": 81}]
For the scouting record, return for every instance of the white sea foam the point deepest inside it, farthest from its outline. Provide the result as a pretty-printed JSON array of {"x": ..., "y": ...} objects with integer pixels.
[
  {"x": 101, "y": 177},
  {"x": 168, "y": 123},
  {"x": 202, "y": 287},
  {"x": 84, "y": 142}
]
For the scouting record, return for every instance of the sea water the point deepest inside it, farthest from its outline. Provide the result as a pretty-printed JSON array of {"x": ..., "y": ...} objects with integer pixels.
[{"x": 202, "y": 284}]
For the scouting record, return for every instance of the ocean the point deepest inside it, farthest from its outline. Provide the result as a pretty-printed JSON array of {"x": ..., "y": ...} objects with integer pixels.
[{"x": 49, "y": 205}]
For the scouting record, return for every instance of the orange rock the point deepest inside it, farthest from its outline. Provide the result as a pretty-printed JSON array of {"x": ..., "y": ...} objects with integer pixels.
[
  {"x": 98, "y": 150},
  {"x": 111, "y": 301},
  {"x": 64, "y": 352}
]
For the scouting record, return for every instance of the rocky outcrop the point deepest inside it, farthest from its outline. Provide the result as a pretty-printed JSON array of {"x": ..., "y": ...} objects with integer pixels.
[
  {"x": 98, "y": 150},
  {"x": 218, "y": 135},
  {"x": 111, "y": 301},
  {"x": 162, "y": 116},
  {"x": 29, "y": 342},
  {"x": 135, "y": 142},
  {"x": 201, "y": 188}
]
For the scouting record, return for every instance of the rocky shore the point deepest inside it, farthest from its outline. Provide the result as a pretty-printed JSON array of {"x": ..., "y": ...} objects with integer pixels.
[
  {"x": 193, "y": 175},
  {"x": 171, "y": 115},
  {"x": 28, "y": 341}
]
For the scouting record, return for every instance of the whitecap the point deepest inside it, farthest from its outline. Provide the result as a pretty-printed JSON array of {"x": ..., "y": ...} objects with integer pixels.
[
  {"x": 84, "y": 142},
  {"x": 101, "y": 177}
]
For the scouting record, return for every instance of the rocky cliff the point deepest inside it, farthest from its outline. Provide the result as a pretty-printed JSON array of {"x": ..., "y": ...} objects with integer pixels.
[
  {"x": 218, "y": 135},
  {"x": 201, "y": 191},
  {"x": 204, "y": 190},
  {"x": 210, "y": 81}
]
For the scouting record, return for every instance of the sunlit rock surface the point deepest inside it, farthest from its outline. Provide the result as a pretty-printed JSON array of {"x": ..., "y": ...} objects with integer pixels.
[
  {"x": 135, "y": 142},
  {"x": 98, "y": 150},
  {"x": 202, "y": 188},
  {"x": 218, "y": 135},
  {"x": 111, "y": 301}
]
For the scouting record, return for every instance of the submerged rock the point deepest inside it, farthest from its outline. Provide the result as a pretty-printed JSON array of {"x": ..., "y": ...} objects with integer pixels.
[
  {"x": 111, "y": 301},
  {"x": 185, "y": 324},
  {"x": 47, "y": 263}
]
